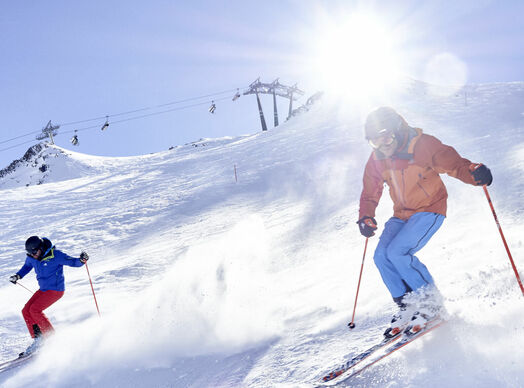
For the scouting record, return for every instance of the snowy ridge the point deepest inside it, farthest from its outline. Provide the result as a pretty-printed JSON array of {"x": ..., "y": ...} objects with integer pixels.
[
  {"x": 44, "y": 163},
  {"x": 203, "y": 281}
]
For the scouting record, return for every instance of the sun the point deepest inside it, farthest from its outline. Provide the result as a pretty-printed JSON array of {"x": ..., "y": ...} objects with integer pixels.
[{"x": 355, "y": 55}]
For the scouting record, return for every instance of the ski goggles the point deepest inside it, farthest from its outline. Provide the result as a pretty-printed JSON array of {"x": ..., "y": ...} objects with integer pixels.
[
  {"x": 385, "y": 139},
  {"x": 33, "y": 251}
]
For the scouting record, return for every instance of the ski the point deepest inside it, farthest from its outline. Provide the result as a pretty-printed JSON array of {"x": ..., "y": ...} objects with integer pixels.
[
  {"x": 406, "y": 339},
  {"x": 7, "y": 365},
  {"x": 359, "y": 358}
]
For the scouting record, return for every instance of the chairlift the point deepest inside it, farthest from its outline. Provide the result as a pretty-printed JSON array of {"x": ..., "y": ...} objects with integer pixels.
[
  {"x": 106, "y": 124},
  {"x": 213, "y": 107},
  {"x": 74, "y": 140},
  {"x": 236, "y": 96}
]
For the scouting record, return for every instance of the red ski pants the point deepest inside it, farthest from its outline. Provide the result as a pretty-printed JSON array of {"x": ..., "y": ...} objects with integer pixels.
[{"x": 33, "y": 310}]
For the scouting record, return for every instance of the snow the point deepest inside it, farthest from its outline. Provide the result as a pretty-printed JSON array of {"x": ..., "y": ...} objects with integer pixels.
[{"x": 203, "y": 281}]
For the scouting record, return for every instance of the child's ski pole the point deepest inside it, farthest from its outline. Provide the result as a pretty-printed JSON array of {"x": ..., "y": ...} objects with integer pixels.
[
  {"x": 92, "y": 289},
  {"x": 21, "y": 285}
]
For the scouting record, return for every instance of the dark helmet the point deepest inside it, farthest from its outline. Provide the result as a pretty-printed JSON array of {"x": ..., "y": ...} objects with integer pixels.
[
  {"x": 383, "y": 119},
  {"x": 33, "y": 244}
]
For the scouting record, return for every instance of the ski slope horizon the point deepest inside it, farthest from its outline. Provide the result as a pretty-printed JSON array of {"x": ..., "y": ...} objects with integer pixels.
[{"x": 205, "y": 281}]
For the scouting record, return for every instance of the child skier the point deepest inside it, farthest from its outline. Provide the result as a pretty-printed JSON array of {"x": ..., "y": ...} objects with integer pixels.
[
  {"x": 48, "y": 263},
  {"x": 410, "y": 162}
]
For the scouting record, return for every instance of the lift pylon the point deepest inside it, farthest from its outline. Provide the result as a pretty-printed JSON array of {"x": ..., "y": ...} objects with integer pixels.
[{"x": 276, "y": 89}]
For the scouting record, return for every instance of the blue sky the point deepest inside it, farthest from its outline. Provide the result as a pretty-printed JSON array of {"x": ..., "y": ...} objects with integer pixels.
[{"x": 70, "y": 61}]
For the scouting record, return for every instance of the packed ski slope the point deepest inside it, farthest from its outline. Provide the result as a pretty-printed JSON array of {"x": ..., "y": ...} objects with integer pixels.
[{"x": 204, "y": 281}]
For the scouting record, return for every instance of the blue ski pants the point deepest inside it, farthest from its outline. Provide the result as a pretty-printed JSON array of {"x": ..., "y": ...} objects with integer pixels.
[{"x": 395, "y": 257}]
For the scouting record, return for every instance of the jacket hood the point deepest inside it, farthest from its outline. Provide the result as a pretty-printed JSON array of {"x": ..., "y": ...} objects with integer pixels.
[{"x": 48, "y": 246}]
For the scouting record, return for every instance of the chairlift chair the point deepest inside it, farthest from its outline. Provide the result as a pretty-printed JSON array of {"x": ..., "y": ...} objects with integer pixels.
[
  {"x": 213, "y": 107},
  {"x": 106, "y": 124},
  {"x": 236, "y": 96},
  {"x": 74, "y": 140}
]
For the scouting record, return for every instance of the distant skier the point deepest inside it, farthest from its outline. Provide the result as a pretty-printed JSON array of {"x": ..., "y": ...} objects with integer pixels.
[
  {"x": 410, "y": 162},
  {"x": 48, "y": 263}
]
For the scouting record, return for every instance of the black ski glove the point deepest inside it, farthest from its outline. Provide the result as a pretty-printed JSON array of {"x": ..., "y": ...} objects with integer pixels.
[
  {"x": 84, "y": 257},
  {"x": 481, "y": 174},
  {"x": 367, "y": 226},
  {"x": 13, "y": 279}
]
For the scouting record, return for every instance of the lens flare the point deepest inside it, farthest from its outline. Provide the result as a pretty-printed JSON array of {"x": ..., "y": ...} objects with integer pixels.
[{"x": 357, "y": 55}]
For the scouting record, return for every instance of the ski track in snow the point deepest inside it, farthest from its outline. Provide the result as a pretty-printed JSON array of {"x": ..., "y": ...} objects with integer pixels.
[{"x": 206, "y": 282}]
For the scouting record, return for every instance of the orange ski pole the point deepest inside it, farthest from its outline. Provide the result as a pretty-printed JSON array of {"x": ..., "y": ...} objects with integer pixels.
[
  {"x": 352, "y": 323},
  {"x": 504, "y": 239},
  {"x": 92, "y": 289}
]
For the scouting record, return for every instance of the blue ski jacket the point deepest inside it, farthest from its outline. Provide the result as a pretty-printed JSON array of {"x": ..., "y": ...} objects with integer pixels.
[{"x": 50, "y": 268}]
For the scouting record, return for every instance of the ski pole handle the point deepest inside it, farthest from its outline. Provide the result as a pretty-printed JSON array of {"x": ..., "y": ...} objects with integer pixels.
[
  {"x": 503, "y": 239},
  {"x": 352, "y": 323}
]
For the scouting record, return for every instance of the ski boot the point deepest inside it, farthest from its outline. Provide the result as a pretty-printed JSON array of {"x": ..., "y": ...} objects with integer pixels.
[
  {"x": 399, "y": 322},
  {"x": 32, "y": 348},
  {"x": 428, "y": 308},
  {"x": 38, "y": 339},
  {"x": 421, "y": 318}
]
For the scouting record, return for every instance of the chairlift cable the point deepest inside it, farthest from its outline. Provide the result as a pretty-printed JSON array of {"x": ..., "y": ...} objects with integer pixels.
[
  {"x": 123, "y": 114},
  {"x": 17, "y": 145},
  {"x": 121, "y": 121},
  {"x": 146, "y": 115},
  {"x": 148, "y": 108},
  {"x": 19, "y": 137}
]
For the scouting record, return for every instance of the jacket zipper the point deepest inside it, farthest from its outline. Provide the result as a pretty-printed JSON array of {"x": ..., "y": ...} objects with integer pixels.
[
  {"x": 397, "y": 187},
  {"x": 403, "y": 188}
]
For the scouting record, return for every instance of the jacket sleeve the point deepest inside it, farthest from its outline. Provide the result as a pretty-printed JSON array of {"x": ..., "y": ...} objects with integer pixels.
[
  {"x": 25, "y": 268},
  {"x": 442, "y": 158},
  {"x": 373, "y": 184},
  {"x": 64, "y": 259}
]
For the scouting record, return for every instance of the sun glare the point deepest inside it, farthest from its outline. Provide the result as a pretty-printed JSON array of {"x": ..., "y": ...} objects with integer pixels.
[{"x": 357, "y": 56}]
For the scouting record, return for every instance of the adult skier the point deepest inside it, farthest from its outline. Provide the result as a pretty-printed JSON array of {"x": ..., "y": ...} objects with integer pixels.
[
  {"x": 48, "y": 263},
  {"x": 409, "y": 162}
]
